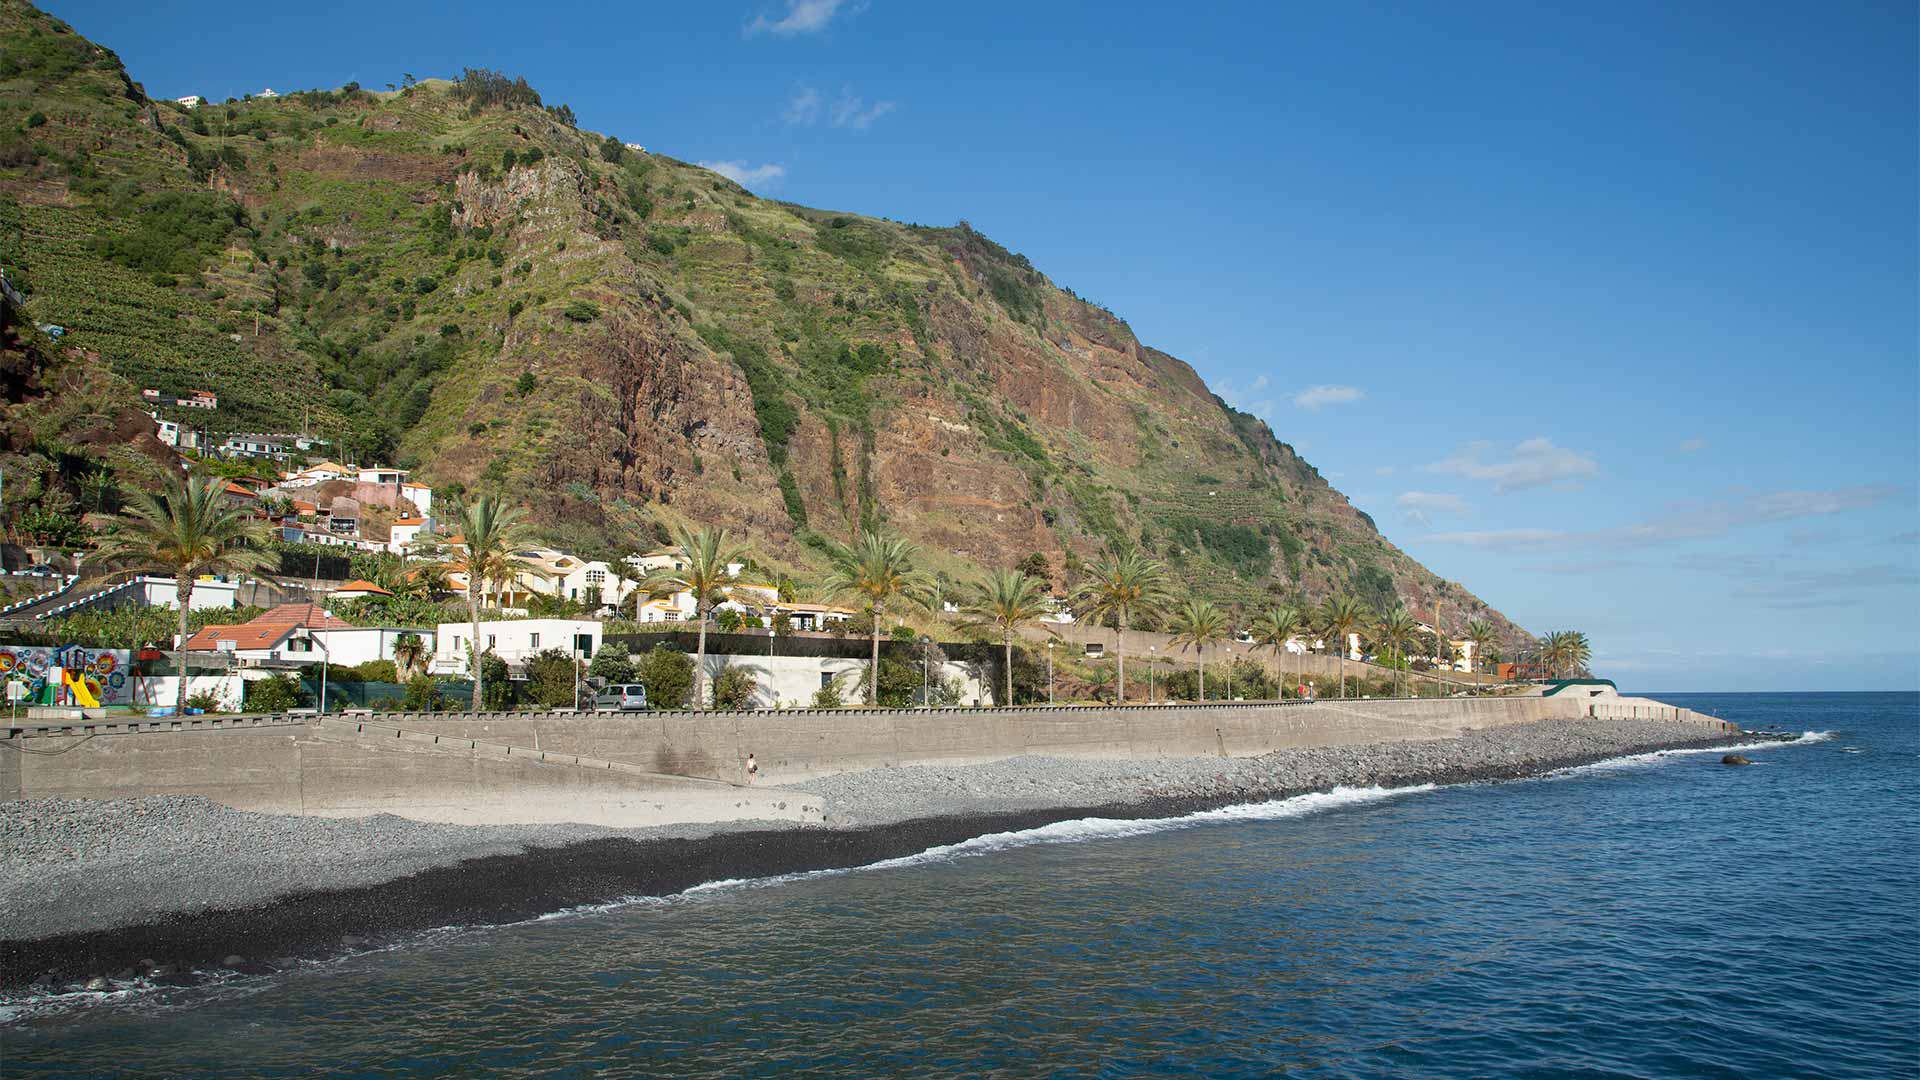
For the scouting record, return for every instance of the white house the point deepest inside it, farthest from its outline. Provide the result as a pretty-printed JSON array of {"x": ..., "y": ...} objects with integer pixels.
[
  {"x": 299, "y": 634},
  {"x": 173, "y": 434},
  {"x": 403, "y": 532},
  {"x": 191, "y": 101},
  {"x": 267, "y": 94},
  {"x": 513, "y": 640},
  {"x": 420, "y": 495},
  {"x": 163, "y": 592},
  {"x": 381, "y": 474},
  {"x": 357, "y": 590}
]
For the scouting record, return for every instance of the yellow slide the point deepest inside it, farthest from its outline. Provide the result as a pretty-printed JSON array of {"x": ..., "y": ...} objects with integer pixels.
[{"x": 77, "y": 686}]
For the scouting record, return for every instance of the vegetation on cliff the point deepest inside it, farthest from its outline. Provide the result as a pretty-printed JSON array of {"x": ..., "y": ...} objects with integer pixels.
[{"x": 450, "y": 274}]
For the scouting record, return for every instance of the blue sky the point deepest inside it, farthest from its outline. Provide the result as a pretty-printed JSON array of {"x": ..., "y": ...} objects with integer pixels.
[{"x": 1608, "y": 315}]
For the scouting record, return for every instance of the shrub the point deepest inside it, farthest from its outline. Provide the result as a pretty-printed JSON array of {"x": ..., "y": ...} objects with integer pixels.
[
  {"x": 726, "y": 620},
  {"x": 205, "y": 701},
  {"x": 611, "y": 150},
  {"x": 551, "y": 679},
  {"x": 376, "y": 671},
  {"x": 612, "y": 666},
  {"x": 36, "y": 118},
  {"x": 582, "y": 311},
  {"x": 423, "y": 695},
  {"x": 828, "y": 696},
  {"x": 525, "y": 384},
  {"x": 668, "y": 676},
  {"x": 274, "y": 694},
  {"x": 733, "y": 688}
]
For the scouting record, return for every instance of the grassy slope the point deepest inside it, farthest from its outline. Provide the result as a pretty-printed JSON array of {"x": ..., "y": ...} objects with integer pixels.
[{"x": 612, "y": 340}]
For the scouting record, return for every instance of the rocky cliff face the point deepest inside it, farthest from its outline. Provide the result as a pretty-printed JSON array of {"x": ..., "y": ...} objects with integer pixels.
[{"x": 453, "y": 276}]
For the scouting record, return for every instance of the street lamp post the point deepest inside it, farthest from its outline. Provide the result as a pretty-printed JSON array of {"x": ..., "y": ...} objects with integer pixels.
[
  {"x": 1050, "y": 672},
  {"x": 1150, "y": 660},
  {"x": 926, "y": 672}
]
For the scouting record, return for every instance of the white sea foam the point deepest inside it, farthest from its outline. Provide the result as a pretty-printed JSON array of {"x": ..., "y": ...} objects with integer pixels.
[
  {"x": 1080, "y": 830},
  {"x": 1632, "y": 761}
]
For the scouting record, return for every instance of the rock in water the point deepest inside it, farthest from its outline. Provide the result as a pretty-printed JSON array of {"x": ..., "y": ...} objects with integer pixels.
[
  {"x": 1734, "y": 759},
  {"x": 98, "y": 983},
  {"x": 233, "y": 960}
]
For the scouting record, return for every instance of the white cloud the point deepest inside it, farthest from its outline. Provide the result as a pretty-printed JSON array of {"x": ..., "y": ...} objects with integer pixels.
[
  {"x": 1700, "y": 521},
  {"x": 808, "y": 106},
  {"x": 1421, "y": 506},
  {"x": 804, "y": 107},
  {"x": 746, "y": 175},
  {"x": 802, "y": 17},
  {"x": 1504, "y": 539},
  {"x": 1531, "y": 464},
  {"x": 1314, "y": 397},
  {"x": 852, "y": 112},
  {"x": 1693, "y": 445}
]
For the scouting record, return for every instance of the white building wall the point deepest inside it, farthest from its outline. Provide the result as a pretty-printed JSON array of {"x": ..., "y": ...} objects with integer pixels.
[
  {"x": 787, "y": 682},
  {"x": 163, "y": 593},
  {"x": 512, "y": 640}
]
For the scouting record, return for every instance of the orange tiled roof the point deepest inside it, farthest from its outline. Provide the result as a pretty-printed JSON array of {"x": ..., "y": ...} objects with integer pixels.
[
  {"x": 361, "y": 585},
  {"x": 268, "y": 629}
]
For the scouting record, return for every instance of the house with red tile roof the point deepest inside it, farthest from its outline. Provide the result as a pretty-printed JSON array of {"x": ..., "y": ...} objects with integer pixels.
[{"x": 294, "y": 635}]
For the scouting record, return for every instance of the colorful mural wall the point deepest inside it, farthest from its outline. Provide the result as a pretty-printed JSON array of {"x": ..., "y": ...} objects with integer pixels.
[{"x": 68, "y": 674}]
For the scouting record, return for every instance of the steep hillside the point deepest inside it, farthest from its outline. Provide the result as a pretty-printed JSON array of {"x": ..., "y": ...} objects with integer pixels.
[{"x": 453, "y": 275}]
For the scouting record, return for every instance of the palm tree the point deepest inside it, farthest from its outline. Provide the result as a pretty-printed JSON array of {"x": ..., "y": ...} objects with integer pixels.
[
  {"x": 1272, "y": 630},
  {"x": 1394, "y": 631},
  {"x": 1552, "y": 648},
  {"x": 704, "y": 555},
  {"x": 877, "y": 568},
  {"x": 1575, "y": 653},
  {"x": 1340, "y": 618},
  {"x": 409, "y": 653},
  {"x": 1006, "y": 601},
  {"x": 186, "y": 529},
  {"x": 1480, "y": 633},
  {"x": 493, "y": 534},
  {"x": 1198, "y": 623},
  {"x": 1122, "y": 586}
]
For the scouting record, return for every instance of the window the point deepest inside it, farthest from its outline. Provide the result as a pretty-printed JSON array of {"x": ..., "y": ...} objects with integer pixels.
[
  {"x": 490, "y": 641},
  {"x": 596, "y": 577},
  {"x": 533, "y": 641},
  {"x": 456, "y": 643},
  {"x": 583, "y": 644},
  {"x": 826, "y": 679}
]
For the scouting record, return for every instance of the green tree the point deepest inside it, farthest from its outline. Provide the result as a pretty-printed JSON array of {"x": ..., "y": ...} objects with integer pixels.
[
  {"x": 551, "y": 678},
  {"x": 275, "y": 694},
  {"x": 1197, "y": 624},
  {"x": 492, "y": 534},
  {"x": 611, "y": 150},
  {"x": 409, "y": 654},
  {"x": 668, "y": 677},
  {"x": 1341, "y": 617},
  {"x": 704, "y": 555},
  {"x": 1006, "y": 602},
  {"x": 185, "y": 529},
  {"x": 877, "y": 570},
  {"x": 1035, "y": 566},
  {"x": 1121, "y": 587},
  {"x": 1394, "y": 631},
  {"x": 611, "y": 666},
  {"x": 1272, "y": 630},
  {"x": 734, "y": 687},
  {"x": 1480, "y": 633}
]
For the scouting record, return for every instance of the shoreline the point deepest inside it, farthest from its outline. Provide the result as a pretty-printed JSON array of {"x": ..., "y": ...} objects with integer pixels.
[{"x": 503, "y": 888}]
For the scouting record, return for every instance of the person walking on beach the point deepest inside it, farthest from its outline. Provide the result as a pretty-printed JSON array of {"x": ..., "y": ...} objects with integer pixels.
[{"x": 753, "y": 768}]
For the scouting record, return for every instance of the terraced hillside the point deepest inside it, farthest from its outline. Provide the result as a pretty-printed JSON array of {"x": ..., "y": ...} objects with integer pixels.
[{"x": 453, "y": 275}]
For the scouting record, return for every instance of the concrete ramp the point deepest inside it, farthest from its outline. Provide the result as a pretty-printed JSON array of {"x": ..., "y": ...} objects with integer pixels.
[{"x": 370, "y": 767}]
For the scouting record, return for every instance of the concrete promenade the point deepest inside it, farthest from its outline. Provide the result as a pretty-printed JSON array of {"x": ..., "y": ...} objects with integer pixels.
[{"x": 685, "y": 766}]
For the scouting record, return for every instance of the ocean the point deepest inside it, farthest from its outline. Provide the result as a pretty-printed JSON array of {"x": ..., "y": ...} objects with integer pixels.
[{"x": 1650, "y": 917}]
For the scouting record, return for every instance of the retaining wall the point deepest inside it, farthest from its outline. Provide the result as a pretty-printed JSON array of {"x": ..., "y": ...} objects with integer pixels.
[{"x": 650, "y": 768}]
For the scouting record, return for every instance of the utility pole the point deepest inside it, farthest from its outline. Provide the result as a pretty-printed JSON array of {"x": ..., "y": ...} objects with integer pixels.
[{"x": 1049, "y": 673}]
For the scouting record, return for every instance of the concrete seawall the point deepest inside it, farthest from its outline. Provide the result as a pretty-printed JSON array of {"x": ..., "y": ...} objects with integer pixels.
[{"x": 657, "y": 768}]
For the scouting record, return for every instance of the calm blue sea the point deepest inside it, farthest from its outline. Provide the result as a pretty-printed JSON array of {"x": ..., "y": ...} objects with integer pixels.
[{"x": 1665, "y": 918}]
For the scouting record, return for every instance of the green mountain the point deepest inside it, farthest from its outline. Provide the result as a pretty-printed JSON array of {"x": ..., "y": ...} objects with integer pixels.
[{"x": 454, "y": 276}]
